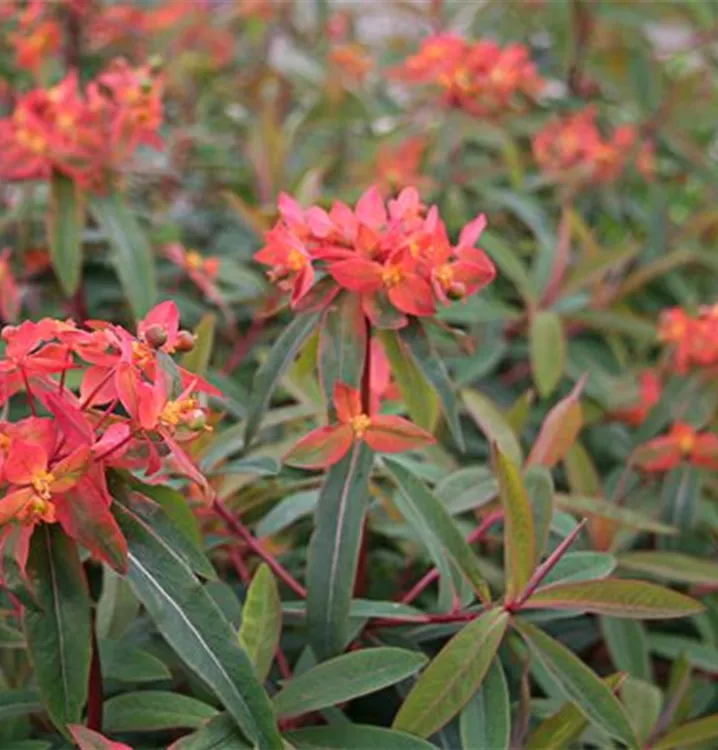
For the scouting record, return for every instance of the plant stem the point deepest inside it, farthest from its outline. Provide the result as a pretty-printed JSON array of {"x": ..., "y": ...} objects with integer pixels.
[
  {"x": 95, "y": 694},
  {"x": 240, "y": 530}
]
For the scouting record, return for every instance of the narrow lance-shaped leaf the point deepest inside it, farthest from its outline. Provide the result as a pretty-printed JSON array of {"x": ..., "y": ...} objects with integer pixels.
[
  {"x": 133, "y": 255},
  {"x": 194, "y": 626},
  {"x": 345, "y": 677},
  {"x": 270, "y": 373},
  {"x": 438, "y": 519},
  {"x": 342, "y": 345},
  {"x": 87, "y": 739},
  {"x": 453, "y": 676},
  {"x": 617, "y": 597},
  {"x": 627, "y": 645},
  {"x": 416, "y": 339},
  {"x": 578, "y": 683},
  {"x": 219, "y": 733},
  {"x": 334, "y": 550},
  {"x": 420, "y": 398},
  {"x": 197, "y": 360},
  {"x": 486, "y": 718},
  {"x": 354, "y": 737},
  {"x": 547, "y": 347},
  {"x": 58, "y": 634},
  {"x": 519, "y": 535},
  {"x": 154, "y": 710},
  {"x": 698, "y": 732},
  {"x": 261, "y": 621},
  {"x": 671, "y": 566},
  {"x": 563, "y": 728},
  {"x": 559, "y": 430},
  {"x": 492, "y": 423},
  {"x": 65, "y": 222}
]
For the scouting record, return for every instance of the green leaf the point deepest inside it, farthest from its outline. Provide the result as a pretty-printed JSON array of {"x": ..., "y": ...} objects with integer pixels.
[
  {"x": 617, "y": 597},
  {"x": 219, "y": 733},
  {"x": 579, "y": 684},
  {"x": 197, "y": 360},
  {"x": 547, "y": 347},
  {"x": 261, "y": 621},
  {"x": 599, "y": 508},
  {"x": 65, "y": 222},
  {"x": 126, "y": 663},
  {"x": 697, "y": 654},
  {"x": 19, "y": 702},
  {"x": 10, "y": 637},
  {"x": 258, "y": 466},
  {"x": 133, "y": 255},
  {"x": 628, "y": 647},
  {"x": 485, "y": 721},
  {"x": 116, "y": 607},
  {"x": 453, "y": 676},
  {"x": 694, "y": 733},
  {"x": 564, "y": 727},
  {"x": 520, "y": 555},
  {"x": 644, "y": 701},
  {"x": 342, "y": 345},
  {"x": 509, "y": 265},
  {"x": 417, "y": 341},
  {"x": 424, "y": 503},
  {"x": 58, "y": 634},
  {"x": 581, "y": 566},
  {"x": 467, "y": 489},
  {"x": 88, "y": 739},
  {"x": 334, "y": 550},
  {"x": 273, "y": 368},
  {"x": 346, "y": 677},
  {"x": 195, "y": 628},
  {"x": 559, "y": 430},
  {"x": 420, "y": 398},
  {"x": 153, "y": 710},
  {"x": 354, "y": 737},
  {"x": 493, "y": 424},
  {"x": 540, "y": 488},
  {"x": 167, "y": 530},
  {"x": 671, "y": 566}
]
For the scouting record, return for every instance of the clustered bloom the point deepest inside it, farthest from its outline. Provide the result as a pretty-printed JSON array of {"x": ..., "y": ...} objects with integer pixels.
[
  {"x": 134, "y": 410},
  {"x": 574, "y": 149},
  {"x": 682, "y": 444},
  {"x": 649, "y": 394},
  {"x": 693, "y": 339},
  {"x": 481, "y": 77},
  {"x": 381, "y": 432},
  {"x": 82, "y": 135},
  {"x": 397, "y": 257}
]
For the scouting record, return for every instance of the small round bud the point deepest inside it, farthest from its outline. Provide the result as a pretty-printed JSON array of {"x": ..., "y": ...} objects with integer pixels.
[
  {"x": 8, "y": 332},
  {"x": 156, "y": 335},
  {"x": 457, "y": 290},
  {"x": 196, "y": 420},
  {"x": 185, "y": 341}
]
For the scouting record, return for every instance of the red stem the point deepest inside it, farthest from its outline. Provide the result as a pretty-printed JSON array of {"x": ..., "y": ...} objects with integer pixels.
[{"x": 240, "y": 530}]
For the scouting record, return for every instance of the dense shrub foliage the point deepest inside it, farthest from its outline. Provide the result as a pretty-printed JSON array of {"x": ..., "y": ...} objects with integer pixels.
[{"x": 358, "y": 375}]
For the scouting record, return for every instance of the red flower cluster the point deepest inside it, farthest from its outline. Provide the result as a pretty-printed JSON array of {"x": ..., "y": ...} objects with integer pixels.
[
  {"x": 574, "y": 149},
  {"x": 381, "y": 432},
  {"x": 682, "y": 443},
  {"x": 398, "y": 258},
  {"x": 134, "y": 409},
  {"x": 693, "y": 339},
  {"x": 82, "y": 135},
  {"x": 481, "y": 77},
  {"x": 649, "y": 393}
]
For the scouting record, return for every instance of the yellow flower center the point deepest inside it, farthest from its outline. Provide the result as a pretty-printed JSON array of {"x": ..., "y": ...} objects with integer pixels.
[
  {"x": 391, "y": 276},
  {"x": 360, "y": 424},
  {"x": 444, "y": 274},
  {"x": 194, "y": 260},
  {"x": 462, "y": 79},
  {"x": 37, "y": 510},
  {"x": 686, "y": 443},
  {"x": 66, "y": 121},
  {"x": 175, "y": 412},
  {"x": 296, "y": 260},
  {"x": 41, "y": 483},
  {"x": 141, "y": 354}
]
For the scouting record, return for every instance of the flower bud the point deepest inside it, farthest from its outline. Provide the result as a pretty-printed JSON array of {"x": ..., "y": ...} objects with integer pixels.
[
  {"x": 457, "y": 290},
  {"x": 185, "y": 341},
  {"x": 196, "y": 420},
  {"x": 156, "y": 335}
]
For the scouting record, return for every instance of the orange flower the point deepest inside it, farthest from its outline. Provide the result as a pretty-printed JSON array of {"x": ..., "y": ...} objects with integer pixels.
[
  {"x": 34, "y": 46},
  {"x": 649, "y": 394},
  {"x": 383, "y": 433},
  {"x": 352, "y": 60},
  {"x": 682, "y": 443},
  {"x": 693, "y": 340}
]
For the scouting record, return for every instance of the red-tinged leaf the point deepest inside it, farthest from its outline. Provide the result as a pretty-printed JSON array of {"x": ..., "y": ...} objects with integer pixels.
[
  {"x": 382, "y": 314},
  {"x": 334, "y": 550},
  {"x": 84, "y": 514},
  {"x": 347, "y": 401},
  {"x": 58, "y": 634},
  {"x": 72, "y": 421},
  {"x": 13, "y": 503},
  {"x": 321, "y": 447},
  {"x": 86, "y": 739},
  {"x": 698, "y": 732},
  {"x": 65, "y": 222},
  {"x": 318, "y": 297},
  {"x": 390, "y": 434},
  {"x": 342, "y": 344},
  {"x": 559, "y": 430},
  {"x": 493, "y": 423},
  {"x": 616, "y": 597},
  {"x": 520, "y": 554}
]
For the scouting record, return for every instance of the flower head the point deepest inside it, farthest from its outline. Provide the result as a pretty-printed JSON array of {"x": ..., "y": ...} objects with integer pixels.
[{"x": 682, "y": 443}]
